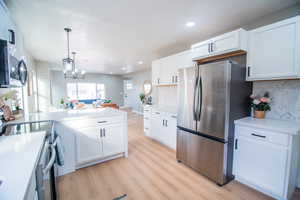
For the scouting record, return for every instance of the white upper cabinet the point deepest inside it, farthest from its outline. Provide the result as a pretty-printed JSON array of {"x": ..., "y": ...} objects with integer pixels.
[
  {"x": 185, "y": 59},
  {"x": 228, "y": 42},
  {"x": 155, "y": 72},
  {"x": 201, "y": 50},
  {"x": 165, "y": 70},
  {"x": 274, "y": 51}
]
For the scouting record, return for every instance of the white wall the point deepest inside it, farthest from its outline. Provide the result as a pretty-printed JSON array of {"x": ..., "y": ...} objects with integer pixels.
[
  {"x": 137, "y": 79},
  {"x": 43, "y": 86}
]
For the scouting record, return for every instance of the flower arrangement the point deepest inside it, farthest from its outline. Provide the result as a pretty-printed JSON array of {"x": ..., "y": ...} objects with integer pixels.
[{"x": 260, "y": 104}]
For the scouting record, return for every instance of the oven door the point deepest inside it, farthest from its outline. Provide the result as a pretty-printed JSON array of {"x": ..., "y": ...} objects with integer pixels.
[{"x": 45, "y": 173}]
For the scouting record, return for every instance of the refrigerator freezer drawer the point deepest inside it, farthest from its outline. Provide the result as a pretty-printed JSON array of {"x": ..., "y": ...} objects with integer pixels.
[{"x": 204, "y": 155}]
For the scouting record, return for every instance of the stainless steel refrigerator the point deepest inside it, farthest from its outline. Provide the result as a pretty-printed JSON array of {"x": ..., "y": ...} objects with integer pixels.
[{"x": 211, "y": 97}]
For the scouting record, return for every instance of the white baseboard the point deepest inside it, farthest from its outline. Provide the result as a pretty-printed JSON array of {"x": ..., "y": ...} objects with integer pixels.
[{"x": 137, "y": 112}]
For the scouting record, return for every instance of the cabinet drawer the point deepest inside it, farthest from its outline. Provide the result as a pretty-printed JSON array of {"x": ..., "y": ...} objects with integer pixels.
[
  {"x": 147, "y": 115},
  {"x": 147, "y": 121},
  {"x": 147, "y": 110},
  {"x": 273, "y": 137},
  {"x": 83, "y": 123}
]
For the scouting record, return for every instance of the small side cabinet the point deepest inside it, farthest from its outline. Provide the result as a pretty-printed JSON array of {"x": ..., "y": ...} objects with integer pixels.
[
  {"x": 164, "y": 128},
  {"x": 266, "y": 155},
  {"x": 147, "y": 118}
]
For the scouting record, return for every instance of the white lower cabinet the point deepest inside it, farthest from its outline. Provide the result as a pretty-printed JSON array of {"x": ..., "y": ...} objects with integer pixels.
[
  {"x": 147, "y": 119},
  {"x": 261, "y": 163},
  {"x": 94, "y": 143},
  {"x": 89, "y": 145},
  {"x": 163, "y": 128},
  {"x": 266, "y": 160},
  {"x": 112, "y": 139}
]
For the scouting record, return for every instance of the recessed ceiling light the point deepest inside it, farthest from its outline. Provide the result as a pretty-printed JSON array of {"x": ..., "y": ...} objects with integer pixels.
[
  {"x": 123, "y": 68},
  {"x": 110, "y": 72},
  {"x": 190, "y": 24},
  {"x": 140, "y": 62}
]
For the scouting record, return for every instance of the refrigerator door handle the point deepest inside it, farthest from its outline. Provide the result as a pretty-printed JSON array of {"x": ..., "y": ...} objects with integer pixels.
[
  {"x": 194, "y": 99},
  {"x": 200, "y": 99}
]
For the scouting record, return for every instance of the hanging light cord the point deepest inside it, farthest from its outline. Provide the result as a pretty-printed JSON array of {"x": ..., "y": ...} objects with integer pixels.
[{"x": 68, "y": 30}]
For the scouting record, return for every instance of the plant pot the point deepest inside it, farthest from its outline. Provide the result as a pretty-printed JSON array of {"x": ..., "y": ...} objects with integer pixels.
[{"x": 259, "y": 114}]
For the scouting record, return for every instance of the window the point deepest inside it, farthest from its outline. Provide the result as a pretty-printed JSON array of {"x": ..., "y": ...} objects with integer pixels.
[
  {"x": 86, "y": 91},
  {"x": 72, "y": 90},
  {"x": 83, "y": 91},
  {"x": 100, "y": 91},
  {"x": 129, "y": 86}
]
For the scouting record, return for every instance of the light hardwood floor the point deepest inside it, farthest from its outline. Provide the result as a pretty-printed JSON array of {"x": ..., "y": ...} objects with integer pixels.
[{"x": 150, "y": 172}]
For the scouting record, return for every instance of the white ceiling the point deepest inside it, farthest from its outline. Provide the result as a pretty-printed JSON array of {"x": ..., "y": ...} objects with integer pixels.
[{"x": 112, "y": 34}]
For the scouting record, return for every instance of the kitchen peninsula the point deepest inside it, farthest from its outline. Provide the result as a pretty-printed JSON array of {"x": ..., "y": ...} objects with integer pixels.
[{"x": 89, "y": 136}]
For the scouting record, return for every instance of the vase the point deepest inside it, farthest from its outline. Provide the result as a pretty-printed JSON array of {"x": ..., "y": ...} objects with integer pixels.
[{"x": 259, "y": 114}]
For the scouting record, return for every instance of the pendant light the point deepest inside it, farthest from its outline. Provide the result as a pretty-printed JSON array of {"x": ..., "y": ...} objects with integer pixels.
[
  {"x": 68, "y": 62},
  {"x": 70, "y": 70}
]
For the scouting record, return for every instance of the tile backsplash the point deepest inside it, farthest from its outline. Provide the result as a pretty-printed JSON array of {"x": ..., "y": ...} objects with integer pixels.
[{"x": 285, "y": 98}]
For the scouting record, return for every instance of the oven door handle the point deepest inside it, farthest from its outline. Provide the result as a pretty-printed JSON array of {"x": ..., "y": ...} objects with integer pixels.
[{"x": 51, "y": 161}]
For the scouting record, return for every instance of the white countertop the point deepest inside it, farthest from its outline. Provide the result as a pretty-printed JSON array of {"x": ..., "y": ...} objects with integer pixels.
[
  {"x": 167, "y": 109},
  {"x": 282, "y": 126},
  {"x": 18, "y": 158},
  {"x": 65, "y": 115}
]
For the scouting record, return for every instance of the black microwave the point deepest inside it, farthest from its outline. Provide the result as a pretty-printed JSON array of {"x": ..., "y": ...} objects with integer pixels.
[{"x": 13, "y": 72}]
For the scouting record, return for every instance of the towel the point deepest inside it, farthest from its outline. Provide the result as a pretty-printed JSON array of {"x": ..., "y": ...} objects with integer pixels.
[{"x": 60, "y": 151}]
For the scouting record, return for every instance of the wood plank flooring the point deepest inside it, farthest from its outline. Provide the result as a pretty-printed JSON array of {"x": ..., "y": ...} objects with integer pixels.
[{"x": 150, "y": 172}]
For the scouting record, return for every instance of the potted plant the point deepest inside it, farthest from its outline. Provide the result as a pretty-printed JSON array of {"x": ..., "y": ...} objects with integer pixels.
[
  {"x": 142, "y": 98},
  {"x": 260, "y": 105}
]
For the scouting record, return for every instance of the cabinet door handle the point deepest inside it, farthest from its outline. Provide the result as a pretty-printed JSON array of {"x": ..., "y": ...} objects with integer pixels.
[
  {"x": 256, "y": 135},
  {"x": 101, "y": 122},
  {"x": 157, "y": 113},
  {"x": 100, "y": 132},
  {"x": 208, "y": 47},
  {"x": 158, "y": 81},
  {"x": 104, "y": 132},
  {"x": 163, "y": 122},
  {"x": 248, "y": 71},
  {"x": 236, "y": 144},
  {"x": 173, "y": 116},
  {"x": 212, "y": 47},
  {"x": 172, "y": 79},
  {"x": 166, "y": 123},
  {"x": 176, "y": 79}
]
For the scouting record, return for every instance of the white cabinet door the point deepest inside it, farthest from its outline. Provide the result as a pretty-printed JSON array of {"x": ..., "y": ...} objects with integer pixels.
[
  {"x": 200, "y": 50},
  {"x": 261, "y": 164},
  {"x": 168, "y": 70},
  {"x": 170, "y": 132},
  {"x": 113, "y": 140},
  {"x": 274, "y": 51},
  {"x": 156, "y": 125},
  {"x": 185, "y": 60},
  {"x": 155, "y": 72},
  {"x": 226, "y": 42},
  {"x": 89, "y": 144}
]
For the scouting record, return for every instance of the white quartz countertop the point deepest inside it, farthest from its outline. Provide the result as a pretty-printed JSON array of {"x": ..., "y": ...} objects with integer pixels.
[
  {"x": 65, "y": 115},
  {"x": 18, "y": 158},
  {"x": 282, "y": 126},
  {"x": 167, "y": 109}
]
